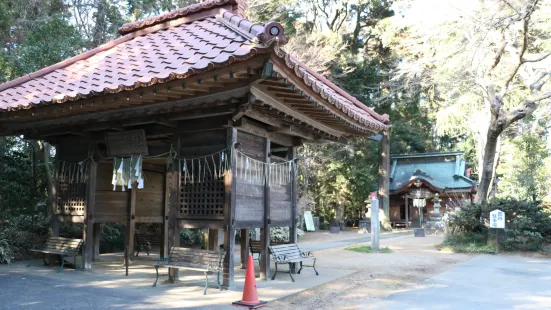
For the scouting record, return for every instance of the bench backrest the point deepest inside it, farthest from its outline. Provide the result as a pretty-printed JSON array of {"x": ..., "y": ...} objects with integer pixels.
[
  {"x": 154, "y": 240},
  {"x": 254, "y": 245},
  {"x": 199, "y": 257},
  {"x": 285, "y": 252},
  {"x": 60, "y": 244}
]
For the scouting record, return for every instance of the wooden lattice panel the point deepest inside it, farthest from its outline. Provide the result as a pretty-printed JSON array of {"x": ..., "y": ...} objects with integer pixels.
[
  {"x": 71, "y": 198},
  {"x": 202, "y": 200}
]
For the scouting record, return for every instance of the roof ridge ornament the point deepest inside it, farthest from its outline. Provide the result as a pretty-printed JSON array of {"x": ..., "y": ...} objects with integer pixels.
[{"x": 267, "y": 34}]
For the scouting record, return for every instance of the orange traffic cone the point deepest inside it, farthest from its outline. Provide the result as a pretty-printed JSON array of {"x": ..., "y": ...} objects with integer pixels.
[{"x": 250, "y": 298}]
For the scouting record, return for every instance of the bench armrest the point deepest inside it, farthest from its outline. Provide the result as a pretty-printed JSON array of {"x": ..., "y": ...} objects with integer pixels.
[
  {"x": 164, "y": 260},
  {"x": 307, "y": 254}
]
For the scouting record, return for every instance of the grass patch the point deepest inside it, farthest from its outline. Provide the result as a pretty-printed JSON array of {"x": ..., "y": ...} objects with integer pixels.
[
  {"x": 473, "y": 244},
  {"x": 367, "y": 249},
  {"x": 472, "y": 248}
]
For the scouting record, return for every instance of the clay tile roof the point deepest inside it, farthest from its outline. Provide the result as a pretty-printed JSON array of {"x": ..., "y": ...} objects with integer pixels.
[
  {"x": 134, "y": 61},
  {"x": 171, "y": 46}
]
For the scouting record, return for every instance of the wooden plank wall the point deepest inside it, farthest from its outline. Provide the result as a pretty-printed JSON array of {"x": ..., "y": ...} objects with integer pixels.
[
  {"x": 111, "y": 206},
  {"x": 280, "y": 205},
  {"x": 151, "y": 199},
  {"x": 249, "y": 211}
]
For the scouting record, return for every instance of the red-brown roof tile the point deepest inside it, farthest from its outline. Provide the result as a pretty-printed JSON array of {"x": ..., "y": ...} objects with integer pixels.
[
  {"x": 169, "y": 46},
  {"x": 175, "y": 14},
  {"x": 136, "y": 61}
]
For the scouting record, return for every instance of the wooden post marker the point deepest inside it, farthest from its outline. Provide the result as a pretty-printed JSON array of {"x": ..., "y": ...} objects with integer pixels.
[{"x": 250, "y": 298}]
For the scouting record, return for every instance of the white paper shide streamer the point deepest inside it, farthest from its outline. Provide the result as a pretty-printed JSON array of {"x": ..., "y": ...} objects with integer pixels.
[
  {"x": 72, "y": 173},
  {"x": 254, "y": 171},
  {"x": 205, "y": 168},
  {"x": 127, "y": 171}
]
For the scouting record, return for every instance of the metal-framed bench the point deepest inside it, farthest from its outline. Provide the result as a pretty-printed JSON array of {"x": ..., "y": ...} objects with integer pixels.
[
  {"x": 291, "y": 254},
  {"x": 206, "y": 261},
  {"x": 145, "y": 241},
  {"x": 64, "y": 247},
  {"x": 254, "y": 247}
]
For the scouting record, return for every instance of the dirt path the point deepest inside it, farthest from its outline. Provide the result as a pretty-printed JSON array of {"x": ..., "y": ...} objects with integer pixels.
[{"x": 377, "y": 276}]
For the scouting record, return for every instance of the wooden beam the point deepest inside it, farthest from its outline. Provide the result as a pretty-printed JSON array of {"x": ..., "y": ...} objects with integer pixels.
[
  {"x": 265, "y": 235},
  {"x": 111, "y": 115},
  {"x": 230, "y": 184},
  {"x": 294, "y": 131},
  {"x": 261, "y": 94},
  {"x": 264, "y": 118},
  {"x": 246, "y": 126}
]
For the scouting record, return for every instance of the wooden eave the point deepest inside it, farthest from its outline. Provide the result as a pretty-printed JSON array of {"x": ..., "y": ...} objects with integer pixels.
[
  {"x": 291, "y": 91},
  {"x": 170, "y": 97}
]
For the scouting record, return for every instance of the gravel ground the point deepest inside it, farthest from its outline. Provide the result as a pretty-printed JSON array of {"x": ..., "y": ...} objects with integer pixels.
[{"x": 378, "y": 275}]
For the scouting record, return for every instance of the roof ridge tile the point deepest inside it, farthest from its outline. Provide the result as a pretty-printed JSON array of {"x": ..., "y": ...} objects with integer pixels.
[{"x": 174, "y": 14}]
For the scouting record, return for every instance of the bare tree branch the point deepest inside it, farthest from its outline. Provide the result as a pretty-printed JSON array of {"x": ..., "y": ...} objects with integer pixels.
[
  {"x": 527, "y": 108},
  {"x": 525, "y": 60}
]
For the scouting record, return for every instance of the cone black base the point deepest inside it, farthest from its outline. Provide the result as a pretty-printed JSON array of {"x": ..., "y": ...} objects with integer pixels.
[{"x": 248, "y": 305}]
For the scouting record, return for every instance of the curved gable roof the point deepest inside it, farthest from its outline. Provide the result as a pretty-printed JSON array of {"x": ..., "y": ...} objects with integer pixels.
[{"x": 175, "y": 45}]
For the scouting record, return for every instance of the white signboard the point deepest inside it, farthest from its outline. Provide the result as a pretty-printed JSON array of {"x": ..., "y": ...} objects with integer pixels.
[
  {"x": 309, "y": 220},
  {"x": 497, "y": 219}
]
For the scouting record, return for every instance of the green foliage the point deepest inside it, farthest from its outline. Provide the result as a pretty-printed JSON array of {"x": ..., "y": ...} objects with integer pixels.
[
  {"x": 527, "y": 227},
  {"x": 112, "y": 237},
  {"x": 190, "y": 236},
  {"x": 367, "y": 249},
  {"x": 281, "y": 234},
  {"x": 6, "y": 250},
  {"x": 46, "y": 43},
  {"x": 524, "y": 171},
  {"x": 474, "y": 244}
]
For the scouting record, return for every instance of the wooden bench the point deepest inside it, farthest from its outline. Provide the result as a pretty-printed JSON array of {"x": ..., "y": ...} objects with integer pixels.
[
  {"x": 144, "y": 242},
  {"x": 254, "y": 247},
  {"x": 291, "y": 254},
  {"x": 64, "y": 247},
  {"x": 205, "y": 261}
]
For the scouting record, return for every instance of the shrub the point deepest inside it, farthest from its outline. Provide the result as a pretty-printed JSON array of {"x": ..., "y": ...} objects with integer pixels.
[
  {"x": 190, "y": 236},
  {"x": 527, "y": 225},
  {"x": 281, "y": 234},
  {"x": 6, "y": 250}
]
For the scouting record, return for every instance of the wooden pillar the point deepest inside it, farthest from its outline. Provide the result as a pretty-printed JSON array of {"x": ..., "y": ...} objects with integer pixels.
[
  {"x": 293, "y": 231},
  {"x": 215, "y": 240},
  {"x": 384, "y": 178},
  {"x": 164, "y": 248},
  {"x": 407, "y": 212},
  {"x": 97, "y": 237},
  {"x": 265, "y": 233},
  {"x": 229, "y": 212},
  {"x": 131, "y": 223},
  {"x": 244, "y": 248},
  {"x": 88, "y": 230},
  {"x": 173, "y": 176}
]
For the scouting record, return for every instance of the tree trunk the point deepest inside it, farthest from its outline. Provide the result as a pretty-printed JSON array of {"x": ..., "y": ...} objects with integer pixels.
[
  {"x": 487, "y": 164},
  {"x": 52, "y": 194}
]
